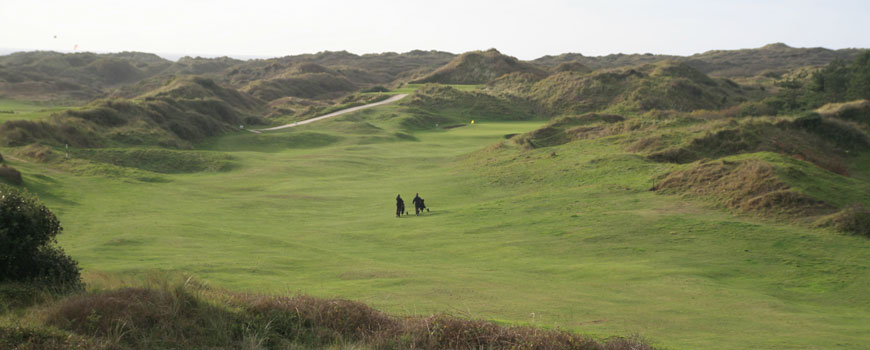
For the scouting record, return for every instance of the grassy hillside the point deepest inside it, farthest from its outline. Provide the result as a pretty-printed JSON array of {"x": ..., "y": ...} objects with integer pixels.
[
  {"x": 773, "y": 58},
  {"x": 791, "y": 168},
  {"x": 185, "y": 111},
  {"x": 668, "y": 85},
  {"x": 478, "y": 67},
  {"x": 79, "y": 76}
]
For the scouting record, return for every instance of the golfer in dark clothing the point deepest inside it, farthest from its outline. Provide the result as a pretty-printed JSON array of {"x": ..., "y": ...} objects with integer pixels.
[
  {"x": 400, "y": 205},
  {"x": 418, "y": 204}
]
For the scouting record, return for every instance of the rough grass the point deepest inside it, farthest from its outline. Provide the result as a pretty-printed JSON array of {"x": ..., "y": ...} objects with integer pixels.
[
  {"x": 26, "y": 338},
  {"x": 853, "y": 219},
  {"x": 748, "y": 185},
  {"x": 192, "y": 315}
]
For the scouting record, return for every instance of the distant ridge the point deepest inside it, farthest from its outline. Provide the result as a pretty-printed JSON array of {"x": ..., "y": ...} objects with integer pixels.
[{"x": 723, "y": 63}]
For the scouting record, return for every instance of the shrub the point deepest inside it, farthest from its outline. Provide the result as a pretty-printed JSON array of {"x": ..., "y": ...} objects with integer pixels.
[
  {"x": 10, "y": 175},
  {"x": 27, "y": 233}
]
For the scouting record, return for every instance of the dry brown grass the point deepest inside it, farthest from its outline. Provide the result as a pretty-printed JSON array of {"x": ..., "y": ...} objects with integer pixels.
[{"x": 194, "y": 316}]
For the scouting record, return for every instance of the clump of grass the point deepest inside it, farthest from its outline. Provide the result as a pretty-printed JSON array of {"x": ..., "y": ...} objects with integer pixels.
[
  {"x": 37, "y": 152},
  {"x": 853, "y": 219},
  {"x": 445, "y": 332},
  {"x": 150, "y": 318},
  {"x": 312, "y": 320}
]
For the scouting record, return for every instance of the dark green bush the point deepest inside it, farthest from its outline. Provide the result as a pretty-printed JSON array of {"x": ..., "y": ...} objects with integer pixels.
[
  {"x": 28, "y": 231},
  {"x": 11, "y": 175}
]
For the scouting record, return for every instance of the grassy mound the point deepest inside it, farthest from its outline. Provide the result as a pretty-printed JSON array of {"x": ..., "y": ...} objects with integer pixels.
[
  {"x": 569, "y": 128},
  {"x": 748, "y": 185},
  {"x": 826, "y": 142},
  {"x": 479, "y": 67},
  {"x": 306, "y": 85},
  {"x": 854, "y": 219}
]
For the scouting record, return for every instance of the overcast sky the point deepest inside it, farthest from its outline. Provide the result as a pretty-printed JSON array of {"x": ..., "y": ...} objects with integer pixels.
[{"x": 525, "y": 29}]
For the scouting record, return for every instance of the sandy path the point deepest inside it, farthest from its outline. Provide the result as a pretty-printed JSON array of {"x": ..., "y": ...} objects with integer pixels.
[{"x": 333, "y": 114}]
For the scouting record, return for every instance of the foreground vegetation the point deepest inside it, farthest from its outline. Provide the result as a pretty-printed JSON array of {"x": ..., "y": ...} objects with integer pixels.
[{"x": 161, "y": 313}]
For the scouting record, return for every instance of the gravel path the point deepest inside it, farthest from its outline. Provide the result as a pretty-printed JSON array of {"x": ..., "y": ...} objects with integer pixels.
[{"x": 333, "y": 114}]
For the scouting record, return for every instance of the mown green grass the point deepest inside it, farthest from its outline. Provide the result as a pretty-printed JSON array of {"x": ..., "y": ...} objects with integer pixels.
[
  {"x": 567, "y": 236},
  {"x": 26, "y": 111}
]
